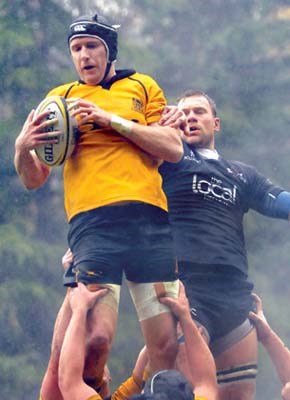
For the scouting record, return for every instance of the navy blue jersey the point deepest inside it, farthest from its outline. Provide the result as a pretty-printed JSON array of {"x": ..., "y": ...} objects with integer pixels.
[{"x": 207, "y": 200}]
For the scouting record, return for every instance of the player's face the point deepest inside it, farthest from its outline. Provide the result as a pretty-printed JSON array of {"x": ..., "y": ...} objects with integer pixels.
[
  {"x": 89, "y": 56},
  {"x": 200, "y": 123}
]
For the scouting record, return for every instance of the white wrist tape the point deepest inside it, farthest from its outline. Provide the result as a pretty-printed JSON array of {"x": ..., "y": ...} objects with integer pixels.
[{"x": 121, "y": 125}]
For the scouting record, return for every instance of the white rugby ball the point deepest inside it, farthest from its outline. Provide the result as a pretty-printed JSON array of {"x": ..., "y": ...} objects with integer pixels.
[{"x": 54, "y": 154}]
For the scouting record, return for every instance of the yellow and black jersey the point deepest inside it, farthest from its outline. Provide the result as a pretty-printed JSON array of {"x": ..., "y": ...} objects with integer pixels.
[
  {"x": 95, "y": 397},
  {"x": 105, "y": 167},
  {"x": 126, "y": 390}
]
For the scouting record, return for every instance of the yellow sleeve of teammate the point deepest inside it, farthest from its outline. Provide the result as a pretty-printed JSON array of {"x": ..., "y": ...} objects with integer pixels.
[
  {"x": 126, "y": 390},
  {"x": 95, "y": 397}
]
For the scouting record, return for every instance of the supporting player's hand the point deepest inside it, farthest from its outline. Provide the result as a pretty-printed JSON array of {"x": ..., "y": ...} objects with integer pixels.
[
  {"x": 67, "y": 259},
  {"x": 179, "y": 306},
  {"x": 81, "y": 297},
  {"x": 259, "y": 319},
  {"x": 172, "y": 116}
]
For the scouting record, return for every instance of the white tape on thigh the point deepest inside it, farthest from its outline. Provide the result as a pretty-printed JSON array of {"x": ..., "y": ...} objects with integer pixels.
[
  {"x": 145, "y": 297},
  {"x": 112, "y": 298}
]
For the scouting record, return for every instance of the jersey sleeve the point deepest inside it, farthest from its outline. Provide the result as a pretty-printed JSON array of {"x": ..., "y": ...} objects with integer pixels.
[
  {"x": 126, "y": 390},
  {"x": 155, "y": 99},
  {"x": 264, "y": 196},
  {"x": 95, "y": 397},
  {"x": 277, "y": 206}
]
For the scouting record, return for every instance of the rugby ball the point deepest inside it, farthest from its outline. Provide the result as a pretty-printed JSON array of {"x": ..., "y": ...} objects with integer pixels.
[{"x": 54, "y": 154}]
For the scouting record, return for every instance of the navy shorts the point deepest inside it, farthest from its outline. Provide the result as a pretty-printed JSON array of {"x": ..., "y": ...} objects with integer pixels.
[
  {"x": 134, "y": 238},
  {"x": 219, "y": 296}
]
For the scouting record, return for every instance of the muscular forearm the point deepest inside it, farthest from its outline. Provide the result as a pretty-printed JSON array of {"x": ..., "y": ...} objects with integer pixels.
[
  {"x": 140, "y": 365},
  {"x": 200, "y": 360},
  {"x": 31, "y": 171},
  {"x": 72, "y": 357},
  {"x": 279, "y": 353},
  {"x": 162, "y": 142}
]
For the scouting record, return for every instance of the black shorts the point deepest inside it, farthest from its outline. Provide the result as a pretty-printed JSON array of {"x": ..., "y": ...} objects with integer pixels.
[
  {"x": 133, "y": 238},
  {"x": 219, "y": 295}
]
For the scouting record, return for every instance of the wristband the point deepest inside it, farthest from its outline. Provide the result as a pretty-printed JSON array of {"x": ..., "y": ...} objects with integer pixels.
[{"x": 121, "y": 125}]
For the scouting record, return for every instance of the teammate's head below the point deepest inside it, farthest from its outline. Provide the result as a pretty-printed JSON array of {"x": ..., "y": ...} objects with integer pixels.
[{"x": 169, "y": 383}]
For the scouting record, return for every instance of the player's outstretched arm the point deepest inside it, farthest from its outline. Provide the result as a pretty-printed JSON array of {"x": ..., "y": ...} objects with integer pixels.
[
  {"x": 278, "y": 352},
  {"x": 31, "y": 171},
  {"x": 200, "y": 359},
  {"x": 72, "y": 356}
]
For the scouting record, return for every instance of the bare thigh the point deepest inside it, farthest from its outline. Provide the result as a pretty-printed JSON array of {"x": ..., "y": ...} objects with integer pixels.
[{"x": 242, "y": 353}]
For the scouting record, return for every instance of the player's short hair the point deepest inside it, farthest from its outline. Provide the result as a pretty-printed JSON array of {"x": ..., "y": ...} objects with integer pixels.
[
  {"x": 199, "y": 93},
  {"x": 98, "y": 27},
  {"x": 171, "y": 384}
]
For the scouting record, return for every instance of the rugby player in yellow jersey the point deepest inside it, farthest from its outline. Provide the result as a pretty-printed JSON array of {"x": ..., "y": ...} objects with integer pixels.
[{"x": 115, "y": 205}]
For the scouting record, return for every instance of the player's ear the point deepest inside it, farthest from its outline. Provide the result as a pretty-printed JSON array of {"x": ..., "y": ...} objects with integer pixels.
[{"x": 217, "y": 124}]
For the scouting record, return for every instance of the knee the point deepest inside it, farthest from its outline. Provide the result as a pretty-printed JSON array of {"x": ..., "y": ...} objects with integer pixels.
[
  {"x": 167, "y": 347},
  {"x": 171, "y": 347},
  {"x": 99, "y": 342}
]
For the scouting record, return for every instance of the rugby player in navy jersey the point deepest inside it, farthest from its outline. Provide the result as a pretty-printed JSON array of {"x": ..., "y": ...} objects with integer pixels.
[{"x": 208, "y": 197}]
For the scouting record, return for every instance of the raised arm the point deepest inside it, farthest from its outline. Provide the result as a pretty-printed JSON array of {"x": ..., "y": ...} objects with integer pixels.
[
  {"x": 200, "y": 359},
  {"x": 162, "y": 142},
  {"x": 278, "y": 352},
  {"x": 72, "y": 356}
]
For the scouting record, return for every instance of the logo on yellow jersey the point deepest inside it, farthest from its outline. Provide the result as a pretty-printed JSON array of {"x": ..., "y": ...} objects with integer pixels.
[{"x": 137, "y": 105}]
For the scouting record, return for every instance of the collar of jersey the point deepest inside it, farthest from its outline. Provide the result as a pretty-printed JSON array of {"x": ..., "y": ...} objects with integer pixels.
[
  {"x": 208, "y": 154},
  {"x": 120, "y": 74},
  {"x": 204, "y": 153}
]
